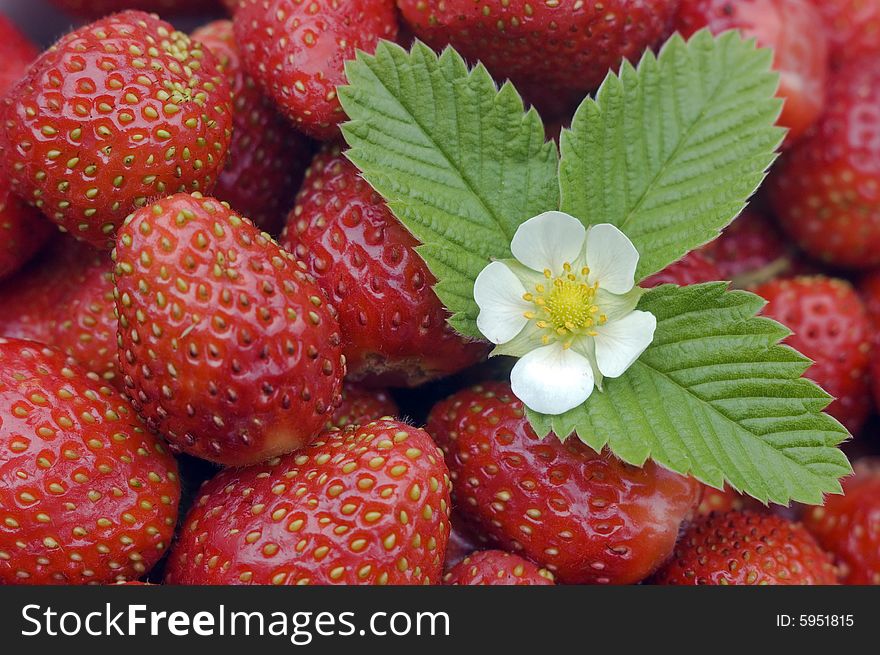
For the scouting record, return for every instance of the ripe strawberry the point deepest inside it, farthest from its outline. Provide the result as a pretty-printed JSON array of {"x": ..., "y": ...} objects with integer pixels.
[
  {"x": 849, "y": 525},
  {"x": 297, "y": 50},
  {"x": 830, "y": 327},
  {"x": 496, "y": 567},
  {"x": 587, "y": 517},
  {"x": 742, "y": 548},
  {"x": 393, "y": 325},
  {"x": 793, "y": 29},
  {"x": 117, "y": 112},
  {"x": 751, "y": 250},
  {"x": 552, "y": 49},
  {"x": 23, "y": 231},
  {"x": 367, "y": 505},
  {"x": 64, "y": 298},
  {"x": 725, "y": 500},
  {"x": 86, "y": 494},
  {"x": 853, "y": 28},
  {"x": 826, "y": 190},
  {"x": 360, "y": 406},
  {"x": 693, "y": 268},
  {"x": 267, "y": 157},
  {"x": 31, "y": 297},
  {"x": 16, "y": 54},
  {"x": 99, "y": 8},
  {"x": 226, "y": 346}
]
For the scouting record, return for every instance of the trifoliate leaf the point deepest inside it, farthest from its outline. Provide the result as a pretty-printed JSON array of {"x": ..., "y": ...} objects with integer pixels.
[
  {"x": 459, "y": 162},
  {"x": 718, "y": 397},
  {"x": 671, "y": 151}
]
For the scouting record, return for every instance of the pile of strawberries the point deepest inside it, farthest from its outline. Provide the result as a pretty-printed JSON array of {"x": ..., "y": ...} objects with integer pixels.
[{"x": 218, "y": 344}]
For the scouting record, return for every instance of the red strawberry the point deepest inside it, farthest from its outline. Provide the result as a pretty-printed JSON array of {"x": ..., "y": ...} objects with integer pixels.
[
  {"x": 830, "y": 327},
  {"x": 725, "y": 500},
  {"x": 849, "y": 525},
  {"x": 86, "y": 494},
  {"x": 23, "y": 231},
  {"x": 693, "y": 268},
  {"x": 742, "y": 548},
  {"x": 826, "y": 190},
  {"x": 751, "y": 250},
  {"x": 65, "y": 299},
  {"x": 226, "y": 346},
  {"x": 16, "y": 54},
  {"x": 267, "y": 158},
  {"x": 393, "y": 325},
  {"x": 367, "y": 505},
  {"x": 85, "y": 324},
  {"x": 117, "y": 112},
  {"x": 31, "y": 298},
  {"x": 547, "y": 49},
  {"x": 361, "y": 406},
  {"x": 496, "y": 567},
  {"x": 587, "y": 517},
  {"x": 793, "y": 29},
  {"x": 99, "y": 8},
  {"x": 297, "y": 50},
  {"x": 853, "y": 28}
]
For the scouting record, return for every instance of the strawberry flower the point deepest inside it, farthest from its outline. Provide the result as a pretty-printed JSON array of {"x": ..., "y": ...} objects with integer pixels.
[{"x": 566, "y": 307}]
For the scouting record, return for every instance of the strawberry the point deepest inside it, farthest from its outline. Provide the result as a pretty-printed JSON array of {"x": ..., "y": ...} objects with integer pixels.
[
  {"x": 585, "y": 516},
  {"x": 496, "y": 567},
  {"x": 297, "y": 50},
  {"x": 16, "y": 54},
  {"x": 393, "y": 325},
  {"x": 30, "y": 299},
  {"x": 99, "y": 8},
  {"x": 362, "y": 406},
  {"x": 853, "y": 28},
  {"x": 226, "y": 346},
  {"x": 548, "y": 49},
  {"x": 752, "y": 250},
  {"x": 724, "y": 500},
  {"x": 831, "y": 327},
  {"x": 793, "y": 29},
  {"x": 22, "y": 230},
  {"x": 849, "y": 525},
  {"x": 367, "y": 505},
  {"x": 86, "y": 494},
  {"x": 826, "y": 190},
  {"x": 693, "y": 268},
  {"x": 742, "y": 548},
  {"x": 65, "y": 299},
  {"x": 117, "y": 112},
  {"x": 267, "y": 158}
]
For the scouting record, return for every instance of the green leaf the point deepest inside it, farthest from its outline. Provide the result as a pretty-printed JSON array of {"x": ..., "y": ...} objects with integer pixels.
[
  {"x": 669, "y": 153},
  {"x": 459, "y": 162},
  {"x": 718, "y": 397}
]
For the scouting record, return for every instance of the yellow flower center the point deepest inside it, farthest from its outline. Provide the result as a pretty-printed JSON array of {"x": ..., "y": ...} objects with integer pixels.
[{"x": 565, "y": 306}]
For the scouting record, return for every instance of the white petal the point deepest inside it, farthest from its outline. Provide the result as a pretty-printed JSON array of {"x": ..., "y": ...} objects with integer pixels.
[
  {"x": 499, "y": 295},
  {"x": 548, "y": 241},
  {"x": 612, "y": 258},
  {"x": 620, "y": 343},
  {"x": 552, "y": 380}
]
